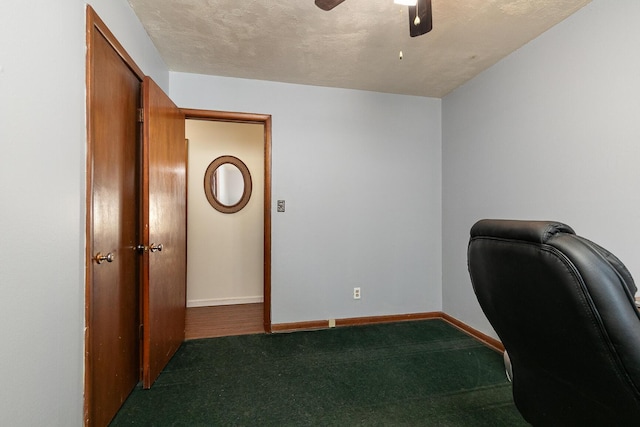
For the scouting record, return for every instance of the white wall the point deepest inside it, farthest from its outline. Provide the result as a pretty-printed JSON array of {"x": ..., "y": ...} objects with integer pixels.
[
  {"x": 225, "y": 253},
  {"x": 42, "y": 183},
  {"x": 361, "y": 176},
  {"x": 551, "y": 132}
]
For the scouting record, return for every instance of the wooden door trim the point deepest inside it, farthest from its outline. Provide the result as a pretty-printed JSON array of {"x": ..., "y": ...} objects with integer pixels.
[
  {"x": 94, "y": 24},
  {"x": 265, "y": 120}
]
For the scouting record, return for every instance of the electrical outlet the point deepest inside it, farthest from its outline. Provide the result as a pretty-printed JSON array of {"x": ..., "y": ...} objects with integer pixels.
[
  {"x": 332, "y": 323},
  {"x": 356, "y": 293}
]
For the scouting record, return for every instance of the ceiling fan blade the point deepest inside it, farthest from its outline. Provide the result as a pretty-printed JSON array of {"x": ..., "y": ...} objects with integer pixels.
[
  {"x": 328, "y": 4},
  {"x": 426, "y": 20}
]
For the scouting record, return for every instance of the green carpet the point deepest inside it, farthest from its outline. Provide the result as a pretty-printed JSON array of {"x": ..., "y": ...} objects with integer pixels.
[{"x": 422, "y": 373}]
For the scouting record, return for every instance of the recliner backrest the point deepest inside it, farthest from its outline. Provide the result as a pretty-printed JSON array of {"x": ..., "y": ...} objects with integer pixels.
[{"x": 564, "y": 309}]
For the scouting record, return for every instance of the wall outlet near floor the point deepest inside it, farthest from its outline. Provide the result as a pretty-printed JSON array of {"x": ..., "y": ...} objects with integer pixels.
[
  {"x": 332, "y": 323},
  {"x": 356, "y": 293}
]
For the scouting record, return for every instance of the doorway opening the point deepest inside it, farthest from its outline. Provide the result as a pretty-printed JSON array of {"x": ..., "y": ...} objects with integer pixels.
[{"x": 242, "y": 301}]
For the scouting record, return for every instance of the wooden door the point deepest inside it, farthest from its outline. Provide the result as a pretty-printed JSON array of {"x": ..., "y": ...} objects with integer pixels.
[
  {"x": 112, "y": 291},
  {"x": 164, "y": 228}
]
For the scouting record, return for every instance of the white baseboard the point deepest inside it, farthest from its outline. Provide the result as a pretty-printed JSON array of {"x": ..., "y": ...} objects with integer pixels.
[{"x": 224, "y": 301}]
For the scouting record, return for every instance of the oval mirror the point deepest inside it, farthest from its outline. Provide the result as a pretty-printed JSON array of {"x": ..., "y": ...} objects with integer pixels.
[{"x": 227, "y": 184}]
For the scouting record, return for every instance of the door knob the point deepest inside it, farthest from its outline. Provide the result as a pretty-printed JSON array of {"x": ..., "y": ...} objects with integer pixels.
[
  {"x": 154, "y": 248},
  {"x": 102, "y": 258}
]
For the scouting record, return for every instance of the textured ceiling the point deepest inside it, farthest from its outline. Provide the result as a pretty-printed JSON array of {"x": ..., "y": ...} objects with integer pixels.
[{"x": 356, "y": 45}]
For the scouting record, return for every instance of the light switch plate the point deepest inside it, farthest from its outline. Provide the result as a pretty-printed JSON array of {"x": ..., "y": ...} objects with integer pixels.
[{"x": 280, "y": 205}]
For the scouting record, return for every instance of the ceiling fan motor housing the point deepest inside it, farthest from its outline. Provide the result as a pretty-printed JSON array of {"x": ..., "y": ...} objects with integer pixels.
[{"x": 420, "y": 19}]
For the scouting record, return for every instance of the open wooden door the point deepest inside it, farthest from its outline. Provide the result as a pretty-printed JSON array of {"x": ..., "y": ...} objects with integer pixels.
[
  {"x": 164, "y": 230},
  {"x": 112, "y": 358}
]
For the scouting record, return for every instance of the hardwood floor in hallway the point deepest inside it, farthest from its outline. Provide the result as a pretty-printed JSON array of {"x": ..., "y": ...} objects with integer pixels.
[{"x": 224, "y": 320}]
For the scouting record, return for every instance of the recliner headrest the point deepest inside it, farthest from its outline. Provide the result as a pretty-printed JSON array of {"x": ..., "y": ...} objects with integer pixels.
[{"x": 529, "y": 231}]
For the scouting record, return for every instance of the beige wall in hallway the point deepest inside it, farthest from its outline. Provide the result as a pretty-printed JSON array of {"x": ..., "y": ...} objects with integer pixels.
[{"x": 224, "y": 251}]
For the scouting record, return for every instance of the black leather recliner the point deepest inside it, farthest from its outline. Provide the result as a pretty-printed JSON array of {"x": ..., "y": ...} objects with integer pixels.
[{"x": 564, "y": 309}]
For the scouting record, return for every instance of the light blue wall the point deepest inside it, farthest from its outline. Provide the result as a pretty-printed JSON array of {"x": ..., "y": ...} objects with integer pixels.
[
  {"x": 41, "y": 178},
  {"x": 550, "y": 132},
  {"x": 361, "y": 176},
  {"x": 42, "y": 183}
]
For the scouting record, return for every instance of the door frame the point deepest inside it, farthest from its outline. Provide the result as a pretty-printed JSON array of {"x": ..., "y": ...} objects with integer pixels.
[
  {"x": 265, "y": 120},
  {"x": 94, "y": 25}
]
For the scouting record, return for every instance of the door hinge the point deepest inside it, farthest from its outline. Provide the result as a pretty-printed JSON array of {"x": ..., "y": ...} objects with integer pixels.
[
  {"x": 140, "y": 331},
  {"x": 140, "y": 115}
]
